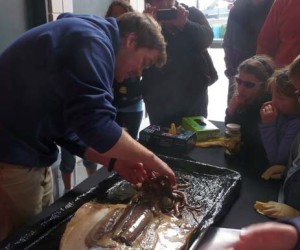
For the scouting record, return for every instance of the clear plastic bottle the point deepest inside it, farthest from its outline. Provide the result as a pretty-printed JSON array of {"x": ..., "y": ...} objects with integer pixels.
[{"x": 232, "y": 139}]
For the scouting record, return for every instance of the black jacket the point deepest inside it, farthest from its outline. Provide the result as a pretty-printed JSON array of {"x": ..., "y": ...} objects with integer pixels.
[
  {"x": 243, "y": 26},
  {"x": 179, "y": 88}
]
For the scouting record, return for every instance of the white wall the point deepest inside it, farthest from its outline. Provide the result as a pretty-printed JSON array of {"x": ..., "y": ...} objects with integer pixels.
[
  {"x": 97, "y": 7},
  {"x": 13, "y": 18}
]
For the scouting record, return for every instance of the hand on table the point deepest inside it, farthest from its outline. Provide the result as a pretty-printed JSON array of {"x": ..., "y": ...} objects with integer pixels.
[
  {"x": 273, "y": 172},
  {"x": 268, "y": 113},
  {"x": 276, "y": 210},
  {"x": 267, "y": 236}
]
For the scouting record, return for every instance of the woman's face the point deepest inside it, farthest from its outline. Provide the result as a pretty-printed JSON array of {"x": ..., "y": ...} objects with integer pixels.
[{"x": 248, "y": 86}]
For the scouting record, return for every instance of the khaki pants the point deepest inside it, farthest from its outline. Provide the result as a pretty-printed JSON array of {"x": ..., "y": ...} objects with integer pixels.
[{"x": 24, "y": 192}]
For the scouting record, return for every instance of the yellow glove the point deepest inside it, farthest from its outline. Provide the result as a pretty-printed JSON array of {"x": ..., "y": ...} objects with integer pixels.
[
  {"x": 211, "y": 143},
  {"x": 276, "y": 210},
  {"x": 172, "y": 129},
  {"x": 273, "y": 172}
]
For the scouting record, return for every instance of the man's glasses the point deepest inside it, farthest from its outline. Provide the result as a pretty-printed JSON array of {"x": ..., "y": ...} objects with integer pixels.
[{"x": 247, "y": 84}]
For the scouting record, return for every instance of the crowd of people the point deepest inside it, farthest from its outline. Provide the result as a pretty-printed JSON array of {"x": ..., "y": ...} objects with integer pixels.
[{"x": 78, "y": 83}]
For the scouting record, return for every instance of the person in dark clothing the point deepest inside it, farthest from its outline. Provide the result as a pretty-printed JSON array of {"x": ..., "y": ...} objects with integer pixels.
[
  {"x": 129, "y": 104},
  {"x": 244, "y": 107},
  {"x": 56, "y": 90},
  {"x": 245, "y": 20},
  {"x": 118, "y": 7},
  {"x": 179, "y": 89},
  {"x": 128, "y": 94}
]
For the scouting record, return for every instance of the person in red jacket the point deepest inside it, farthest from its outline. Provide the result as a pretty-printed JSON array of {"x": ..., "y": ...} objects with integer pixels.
[{"x": 280, "y": 34}]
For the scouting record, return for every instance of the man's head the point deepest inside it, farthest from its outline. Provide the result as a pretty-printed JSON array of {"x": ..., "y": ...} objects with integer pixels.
[{"x": 142, "y": 45}]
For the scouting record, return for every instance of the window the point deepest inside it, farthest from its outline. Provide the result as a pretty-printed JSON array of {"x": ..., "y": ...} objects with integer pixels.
[
  {"x": 216, "y": 12},
  {"x": 55, "y": 7}
]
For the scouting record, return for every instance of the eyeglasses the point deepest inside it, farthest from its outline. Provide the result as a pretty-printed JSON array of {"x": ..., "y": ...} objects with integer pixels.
[
  {"x": 297, "y": 93},
  {"x": 247, "y": 84}
]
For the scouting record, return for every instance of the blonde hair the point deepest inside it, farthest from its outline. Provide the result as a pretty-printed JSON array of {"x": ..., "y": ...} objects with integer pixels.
[
  {"x": 280, "y": 82},
  {"x": 294, "y": 70},
  {"x": 147, "y": 30}
]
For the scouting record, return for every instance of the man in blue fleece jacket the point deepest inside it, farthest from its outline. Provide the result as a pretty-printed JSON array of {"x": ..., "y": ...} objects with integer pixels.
[{"x": 56, "y": 89}]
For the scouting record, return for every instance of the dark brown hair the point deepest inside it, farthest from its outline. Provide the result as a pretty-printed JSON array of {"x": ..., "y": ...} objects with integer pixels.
[
  {"x": 122, "y": 3},
  {"x": 261, "y": 66},
  {"x": 281, "y": 83},
  {"x": 147, "y": 30}
]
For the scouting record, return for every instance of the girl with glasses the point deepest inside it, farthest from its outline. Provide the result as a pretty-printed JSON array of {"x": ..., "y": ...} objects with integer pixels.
[{"x": 244, "y": 107}]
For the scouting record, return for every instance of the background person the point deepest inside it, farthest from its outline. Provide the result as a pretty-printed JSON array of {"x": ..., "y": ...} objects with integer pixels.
[
  {"x": 128, "y": 94},
  {"x": 245, "y": 20},
  {"x": 179, "y": 88},
  {"x": 280, "y": 35},
  {"x": 291, "y": 173},
  {"x": 274, "y": 235},
  {"x": 244, "y": 107},
  {"x": 280, "y": 118},
  {"x": 118, "y": 7},
  {"x": 67, "y": 86},
  {"x": 67, "y": 165}
]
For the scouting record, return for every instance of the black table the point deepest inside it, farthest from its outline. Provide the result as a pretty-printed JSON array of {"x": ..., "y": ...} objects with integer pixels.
[
  {"x": 253, "y": 188},
  {"x": 241, "y": 213}
]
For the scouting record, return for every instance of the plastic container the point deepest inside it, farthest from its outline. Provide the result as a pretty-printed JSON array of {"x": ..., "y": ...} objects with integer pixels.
[{"x": 232, "y": 139}]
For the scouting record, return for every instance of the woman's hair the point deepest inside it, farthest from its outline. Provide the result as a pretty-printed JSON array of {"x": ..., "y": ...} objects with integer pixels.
[
  {"x": 147, "y": 30},
  {"x": 281, "y": 83},
  {"x": 294, "y": 70},
  {"x": 121, "y": 3},
  {"x": 261, "y": 66}
]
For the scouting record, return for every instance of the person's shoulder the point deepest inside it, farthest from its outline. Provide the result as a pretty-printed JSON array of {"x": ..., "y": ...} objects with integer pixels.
[
  {"x": 96, "y": 20},
  {"x": 241, "y": 4}
]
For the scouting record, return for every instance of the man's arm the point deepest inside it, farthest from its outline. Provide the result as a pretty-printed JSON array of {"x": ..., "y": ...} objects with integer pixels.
[
  {"x": 198, "y": 29},
  {"x": 132, "y": 157}
]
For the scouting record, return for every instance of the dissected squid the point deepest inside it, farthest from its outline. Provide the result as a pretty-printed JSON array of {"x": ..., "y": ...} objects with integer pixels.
[
  {"x": 151, "y": 220},
  {"x": 170, "y": 201}
]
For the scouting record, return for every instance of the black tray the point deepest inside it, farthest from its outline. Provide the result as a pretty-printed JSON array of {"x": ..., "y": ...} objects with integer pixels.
[{"x": 215, "y": 189}]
